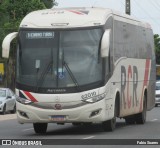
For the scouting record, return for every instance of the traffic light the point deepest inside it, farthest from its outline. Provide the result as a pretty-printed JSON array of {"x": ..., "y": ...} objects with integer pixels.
[{"x": 128, "y": 4}]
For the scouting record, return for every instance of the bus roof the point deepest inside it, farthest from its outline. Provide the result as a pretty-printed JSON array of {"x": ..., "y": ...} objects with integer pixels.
[{"x": 70, "y": 18}]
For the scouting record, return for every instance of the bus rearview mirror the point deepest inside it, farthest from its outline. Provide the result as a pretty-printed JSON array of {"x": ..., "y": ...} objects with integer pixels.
[
  {"x": 6, "y": 44},
  {"x": 105, "y": 43}
]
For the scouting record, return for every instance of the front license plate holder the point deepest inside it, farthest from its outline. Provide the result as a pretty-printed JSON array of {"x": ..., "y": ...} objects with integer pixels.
[{"x": 57, "y": 118}]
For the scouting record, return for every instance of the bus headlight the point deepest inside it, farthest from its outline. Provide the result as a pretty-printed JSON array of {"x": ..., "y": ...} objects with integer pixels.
[
  {"x": 23, "y": 101},
  {"x": 95, "y": 98}
]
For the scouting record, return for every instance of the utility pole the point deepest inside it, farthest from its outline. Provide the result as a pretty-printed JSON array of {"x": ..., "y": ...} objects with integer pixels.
[{"x": 128, "y": 7}]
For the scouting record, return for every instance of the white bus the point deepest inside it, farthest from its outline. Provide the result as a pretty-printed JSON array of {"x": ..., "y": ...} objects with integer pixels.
[{"x": 81, "y": 66}]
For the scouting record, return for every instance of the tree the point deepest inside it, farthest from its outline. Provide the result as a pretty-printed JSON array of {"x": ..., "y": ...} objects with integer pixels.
[
  {"x": 157, "y": 47},
  {"x": 11, "y": 14},
  {"x": 13, "y": 11},
  {"x": 49, "y": 3},
  {"x": 17, "y": 9}
]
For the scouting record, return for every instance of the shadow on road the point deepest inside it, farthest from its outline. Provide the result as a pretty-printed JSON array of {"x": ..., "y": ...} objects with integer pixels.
[{"x": 71, "y": 130}]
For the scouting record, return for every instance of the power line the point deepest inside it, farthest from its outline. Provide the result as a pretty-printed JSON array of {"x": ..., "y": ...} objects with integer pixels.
[
  {"x": 146, "y": 13},
  {"x": 154, "y": 5},
  {"x": 133, "y": 12},
  {"x": 121, "y": 6},
  {"x": 141, "y": 8},
  {"x": 157, "y": 3}
]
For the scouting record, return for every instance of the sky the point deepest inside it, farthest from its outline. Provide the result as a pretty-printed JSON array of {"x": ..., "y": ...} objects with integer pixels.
[{"x": 144, "y": 10}]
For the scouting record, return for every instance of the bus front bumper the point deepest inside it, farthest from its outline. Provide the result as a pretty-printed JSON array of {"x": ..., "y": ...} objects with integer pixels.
[{"x": 95, "y": 112}]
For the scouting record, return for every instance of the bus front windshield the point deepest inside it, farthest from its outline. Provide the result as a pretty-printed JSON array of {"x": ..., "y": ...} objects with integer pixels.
[{"x": 59, "y": 59}]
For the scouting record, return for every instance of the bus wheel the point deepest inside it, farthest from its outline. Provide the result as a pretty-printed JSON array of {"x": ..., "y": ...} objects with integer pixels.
[
  {"x": 141, "y": 117},
  {"x": 40, "y": 128},
  {"x": 111, "y": 124},
  {"x": 130, "y": 120}
]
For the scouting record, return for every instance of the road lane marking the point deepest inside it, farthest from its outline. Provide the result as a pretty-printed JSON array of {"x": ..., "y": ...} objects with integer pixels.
[
  {"x": 154, "y": 120},
  {"x": 90, "y": 137},
  {"x": 27, "y": 129}
]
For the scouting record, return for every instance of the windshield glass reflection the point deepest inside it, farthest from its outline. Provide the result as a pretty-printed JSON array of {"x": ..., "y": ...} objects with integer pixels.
[{"x": 59, "y": 59}]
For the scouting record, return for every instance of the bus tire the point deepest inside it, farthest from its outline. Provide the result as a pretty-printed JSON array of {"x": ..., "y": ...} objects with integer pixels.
[
  {"x": 110, "y": 125},
  {"x": 130, "y": 120},
  {"x": 40, "y": 128},
  {"x": 141, "y": 117}
]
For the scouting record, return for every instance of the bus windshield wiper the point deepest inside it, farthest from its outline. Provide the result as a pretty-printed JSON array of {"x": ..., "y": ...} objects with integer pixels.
[
  {"x": 43, "y": 75},
  {"x": 69, "y": 71},
  {"x": 71, "y": 75}
]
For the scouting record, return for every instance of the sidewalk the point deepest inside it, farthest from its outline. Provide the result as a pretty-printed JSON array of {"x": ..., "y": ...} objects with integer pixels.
[{"x": 7, "y": 117}]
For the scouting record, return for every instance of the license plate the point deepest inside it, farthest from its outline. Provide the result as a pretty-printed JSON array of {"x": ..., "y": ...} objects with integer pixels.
[{"x": 58, "y": 118}]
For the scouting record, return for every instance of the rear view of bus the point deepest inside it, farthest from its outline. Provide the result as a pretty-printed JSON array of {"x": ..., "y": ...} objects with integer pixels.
[{"x": 64, "y": 68}]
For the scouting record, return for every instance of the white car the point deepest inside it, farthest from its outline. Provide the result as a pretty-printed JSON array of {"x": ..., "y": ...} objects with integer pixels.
[
  {"x": 7, "y": 101},
  {"x": 157, "y": 99}
]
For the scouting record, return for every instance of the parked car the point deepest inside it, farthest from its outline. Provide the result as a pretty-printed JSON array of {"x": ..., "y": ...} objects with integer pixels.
[
  {"x": 157, "y": 99},
  {"x": 7, "y": 101}
]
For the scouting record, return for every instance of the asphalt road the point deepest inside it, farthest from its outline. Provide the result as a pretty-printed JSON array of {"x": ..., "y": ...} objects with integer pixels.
[{"x": 11, "y": 129}]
